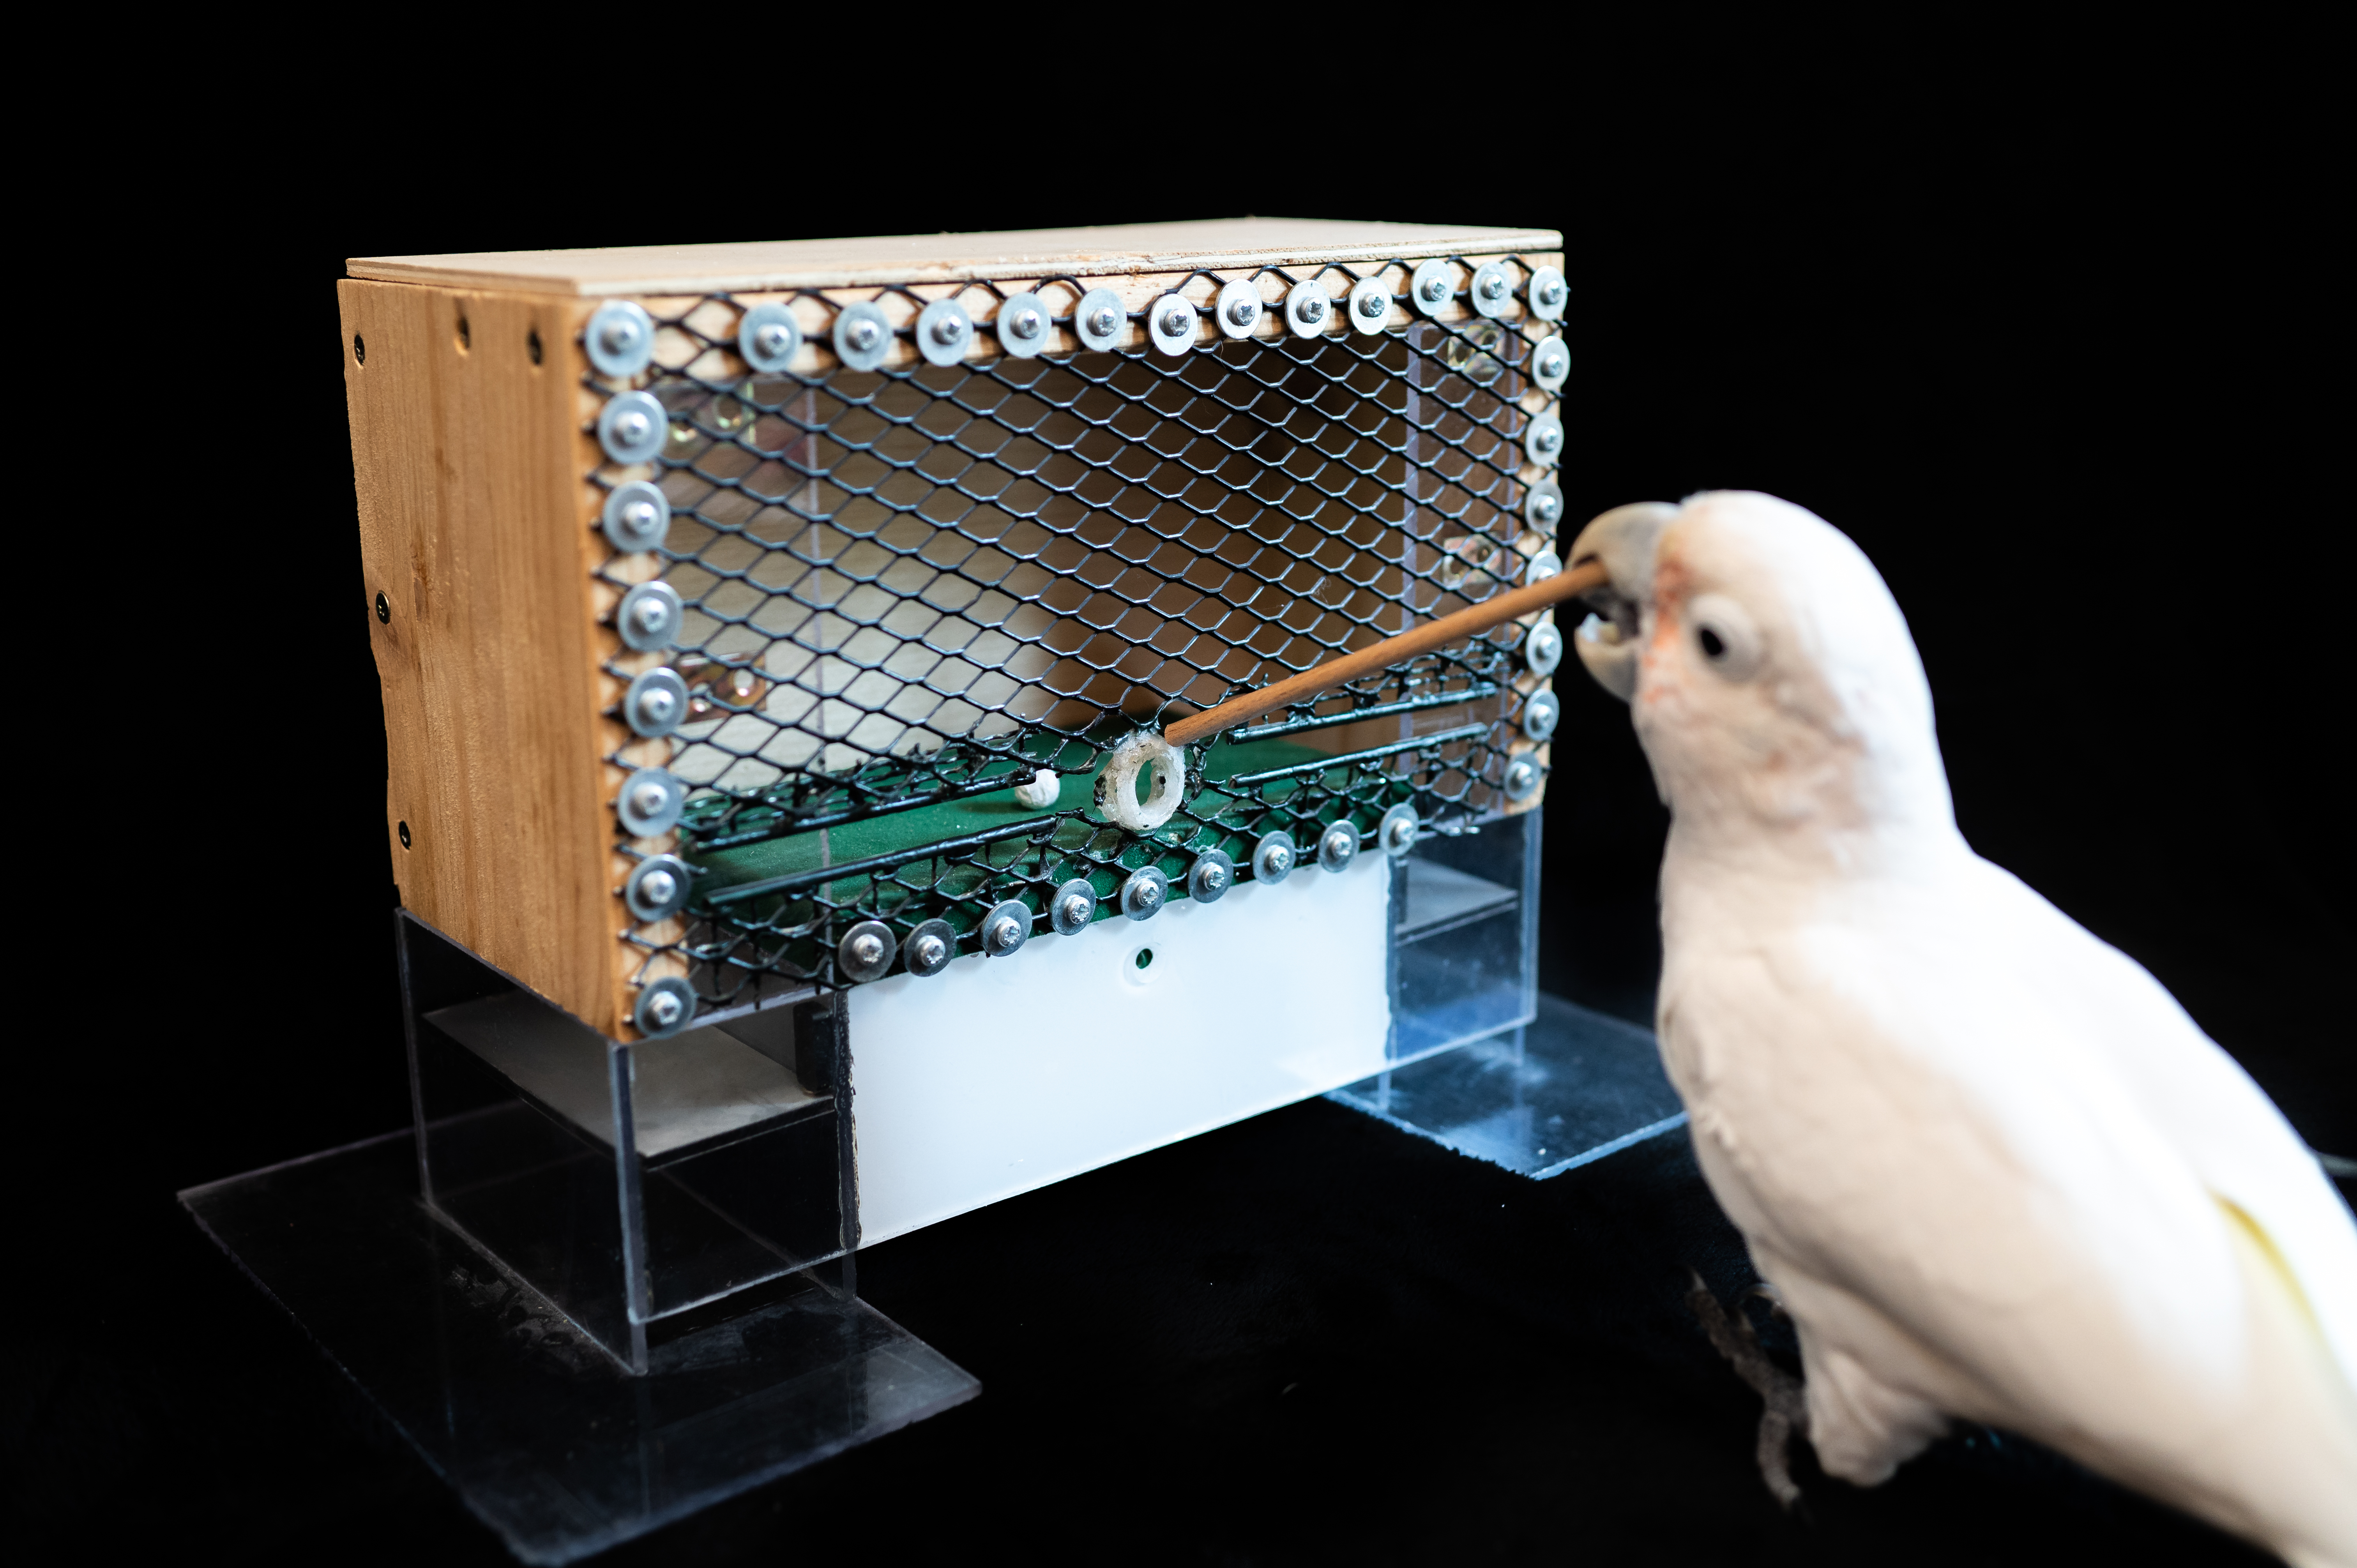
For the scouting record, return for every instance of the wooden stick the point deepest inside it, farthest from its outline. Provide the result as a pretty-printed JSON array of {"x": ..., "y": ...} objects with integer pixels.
[{"x": 1471, "y": 621}]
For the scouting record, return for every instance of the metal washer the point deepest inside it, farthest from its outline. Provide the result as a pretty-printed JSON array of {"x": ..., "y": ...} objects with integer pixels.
[
  {"x": 657, "y": 888},
  {"x": 1337, "y": 845},
  {"x": 1068, "y": 923},
  {"x": 870, "y": 350},
  {"x": 621, "y": 339},
  {"x": 1136, "y": 903},
  {"x": 1397, "y": 832},
  {"x": 1550, "y": 363},
  {"x": 1090, "y": 319},
  {"x": 944, "y": 332},
  {"x": 1169, "y": 310},
  {"x": 1494, "y": 289},
  {"x": 1012, "y": 917},
  {"x": 1241, "y": 297},
  {"x": 768, "y": 338},
  {"x": 1308, "y": 309},
  {"x": 656, "y": 703},
  {"x": 1016, "y": 312},
  {"x": 1542, "y": 506},
  {"x": 632, "y": 427},
  {"x": 1366, "y": 292},
  {"x": 1265, "y": 866},
  {"x": 920, "y": 957},
  {"x": 637, "y": 516},
  {"x": 1542, "y": 442},
  {"x": 665, "y": 1007},
  {"x": 649, "y": 616},
  {"x": 1542, "y": 567},
  {"x": 1421, "y": 288},
  {"x": 1542, "y": 649},
  {"x": 1523, "y": 776},
  {"x": 1540, "y": 714},
  {"x": 850, "y": 965},
  {"x": 1549, "y": 294},
  {"x": 1201, "y": 885},
  {"x": 639, "y": 791}
]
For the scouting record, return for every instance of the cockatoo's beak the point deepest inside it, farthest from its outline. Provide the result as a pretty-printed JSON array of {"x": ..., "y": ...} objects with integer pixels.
[{"x": 1622, "y": 541}]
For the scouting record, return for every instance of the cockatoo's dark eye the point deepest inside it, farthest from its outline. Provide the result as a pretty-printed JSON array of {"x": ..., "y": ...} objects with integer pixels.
[{"x": 1726, "y": 634}]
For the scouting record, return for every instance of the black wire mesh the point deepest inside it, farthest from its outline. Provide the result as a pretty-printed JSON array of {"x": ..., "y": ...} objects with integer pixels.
[{"x": 913, "y": 587}]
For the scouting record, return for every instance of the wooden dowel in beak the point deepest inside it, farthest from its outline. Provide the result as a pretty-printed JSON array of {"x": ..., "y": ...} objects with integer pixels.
[{"x": 1471, "y": 621}]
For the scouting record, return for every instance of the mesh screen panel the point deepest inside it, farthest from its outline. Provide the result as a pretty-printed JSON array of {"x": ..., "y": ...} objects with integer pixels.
[{"x": 908, "y": 589}]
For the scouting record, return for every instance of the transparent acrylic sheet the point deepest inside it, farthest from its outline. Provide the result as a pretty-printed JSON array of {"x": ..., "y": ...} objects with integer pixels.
[
  {"x": 535, "y": 1426},
  {"x": 1571, "y": 1087}
]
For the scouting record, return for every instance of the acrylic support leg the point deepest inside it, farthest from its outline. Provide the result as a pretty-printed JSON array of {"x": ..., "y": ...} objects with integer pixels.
[
  {"x": 1571, "y": 1087},
  {"x": 602, "y": 1284}
]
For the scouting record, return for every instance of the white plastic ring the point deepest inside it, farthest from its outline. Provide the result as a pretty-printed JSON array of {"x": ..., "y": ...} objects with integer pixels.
[{"x": 1117, "y": 799}]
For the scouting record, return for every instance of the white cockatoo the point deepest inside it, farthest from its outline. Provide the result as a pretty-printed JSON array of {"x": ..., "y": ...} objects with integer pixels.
[{"x": 1988, "y": 1165}]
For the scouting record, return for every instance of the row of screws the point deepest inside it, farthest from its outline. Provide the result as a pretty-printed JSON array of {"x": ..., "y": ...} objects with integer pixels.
[{"x": 621, "y": 335}]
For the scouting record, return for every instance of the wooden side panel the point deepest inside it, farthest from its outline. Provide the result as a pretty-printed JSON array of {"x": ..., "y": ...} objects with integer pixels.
[{"x": 467, "y": 457}]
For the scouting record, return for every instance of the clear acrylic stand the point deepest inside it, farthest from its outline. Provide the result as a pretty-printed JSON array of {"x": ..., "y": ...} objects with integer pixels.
[
  {"x": 601, "y": 1284},
  {"x": 1570, "y": 1087}
]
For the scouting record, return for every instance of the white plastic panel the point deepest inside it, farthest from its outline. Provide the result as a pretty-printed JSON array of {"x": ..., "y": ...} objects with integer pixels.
[{"x": 1000, "y": 1075}]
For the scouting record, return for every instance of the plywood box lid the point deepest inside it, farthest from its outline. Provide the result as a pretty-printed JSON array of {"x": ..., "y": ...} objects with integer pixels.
[{"x": 1225, "y": 243}]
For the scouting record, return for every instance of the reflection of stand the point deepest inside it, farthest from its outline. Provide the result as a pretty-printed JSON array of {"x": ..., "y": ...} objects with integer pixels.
[{"x": 547, "y": 1324}]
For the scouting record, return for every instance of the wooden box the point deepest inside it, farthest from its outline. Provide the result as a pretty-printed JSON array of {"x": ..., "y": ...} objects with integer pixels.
[{"x": 930, "y": 531}]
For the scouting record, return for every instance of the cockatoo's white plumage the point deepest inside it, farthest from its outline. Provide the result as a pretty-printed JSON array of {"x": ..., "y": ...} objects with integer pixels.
[{"x": 1990, "y": 1166}]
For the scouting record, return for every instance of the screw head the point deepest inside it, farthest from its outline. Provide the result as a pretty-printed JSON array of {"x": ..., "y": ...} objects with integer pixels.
[
  {"x": 649, "y": 799},
  {"x": 1546, "y": 507},
  {"x": 1150, "y": 895},
  {"x": 1242, "y": 312},
  {"x": 1215, "y": 876},
  {"x": 930, "y": 949},
  {"x": 1103, "y": 322},
  {"x": 1553, "y": 290},
  {"x": 633, "y": 428},
  {"x": 659, "y": 887},
  {"x": 1028, "y": 323},
  {"x": 1175, "y": 322},
  {"x": 1548, "y": 439},
  {"x": 1005, "y": 935},
  {"x": 1494, "y": 286},
  {"x": 773, "y": 340},
  {"x": 1436, "y": 289},
  {"x": 949, "y": 329},
  {"x": 1396, "y": 836},
  {"x": 867, "y": 949},
  {"x": 1551, "y": 365},
  {"x": 1074, "y": 909},
  {"x": 620, "y": 337},
  {"x": 641, "y": 516},
  {"x": 1370, "y": 304},
  {"x": 1281, "y": 858},
  {"x": 1313, "y": 307},
  {"x": 1522, "y": 778},
  {"x": 663, "y": 1009},
  {"x": 651, "y": 614},
  {"x": 1544, "y": 650},
  {"x": 1334, "y": 841},
  {"x": 657, "y": 705},
  {"x": 865, "y": 334}
]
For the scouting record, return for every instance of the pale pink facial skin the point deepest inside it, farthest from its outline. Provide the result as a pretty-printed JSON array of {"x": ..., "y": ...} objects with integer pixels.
[{"x": 1828, "y": 730}]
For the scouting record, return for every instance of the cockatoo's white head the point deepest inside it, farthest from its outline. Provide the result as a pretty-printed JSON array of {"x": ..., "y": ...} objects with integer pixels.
[{"x": 1775, "y": 688}]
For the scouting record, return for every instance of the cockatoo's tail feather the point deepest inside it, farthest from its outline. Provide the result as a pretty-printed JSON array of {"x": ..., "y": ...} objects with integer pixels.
[{"x": 1991, "y": 1166}]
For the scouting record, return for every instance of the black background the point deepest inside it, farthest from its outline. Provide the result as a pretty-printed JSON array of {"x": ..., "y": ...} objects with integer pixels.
[{"x": 2053, "y": 326}]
